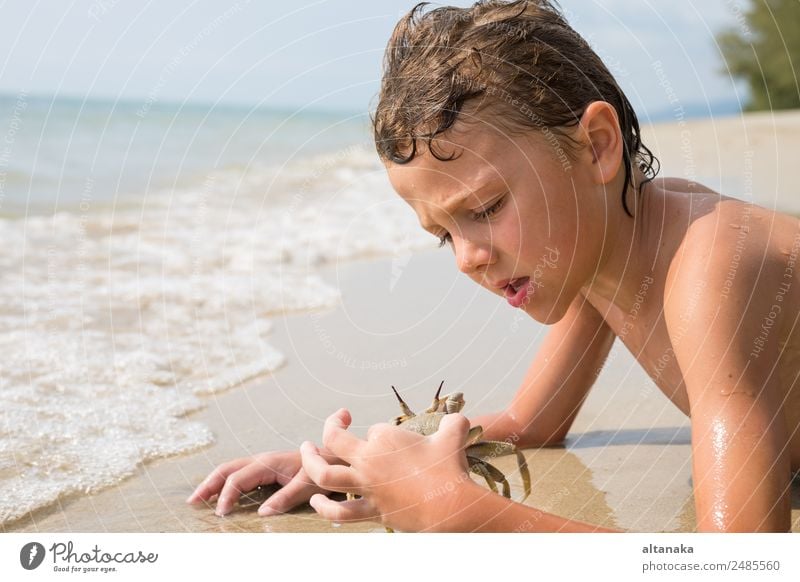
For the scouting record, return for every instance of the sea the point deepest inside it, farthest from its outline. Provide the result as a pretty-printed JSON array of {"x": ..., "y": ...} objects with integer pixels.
[{"x": 146, "y": 247}]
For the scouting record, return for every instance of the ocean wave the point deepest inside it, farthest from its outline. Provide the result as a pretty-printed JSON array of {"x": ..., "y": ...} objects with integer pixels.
[{"x": 119, "y": 319}]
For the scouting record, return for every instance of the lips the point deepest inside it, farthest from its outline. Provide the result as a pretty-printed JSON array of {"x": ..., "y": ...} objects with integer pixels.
[
  {"x": 515, "y": 283},
  {"x": 517, "y": 291}
]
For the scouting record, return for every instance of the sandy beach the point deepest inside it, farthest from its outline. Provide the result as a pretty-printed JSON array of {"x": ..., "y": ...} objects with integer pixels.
[
  {"x": 750, "y": 156},
  {"x": 414, "y": 320}
]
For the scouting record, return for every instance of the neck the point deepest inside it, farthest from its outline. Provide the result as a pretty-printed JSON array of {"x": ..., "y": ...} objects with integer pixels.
[{"x": 624, "y": 262}]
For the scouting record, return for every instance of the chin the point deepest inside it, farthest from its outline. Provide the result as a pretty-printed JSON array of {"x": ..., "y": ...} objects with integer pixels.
[
  {"x": 548, "y": 318},
  {"x": 544, "y": 311}
]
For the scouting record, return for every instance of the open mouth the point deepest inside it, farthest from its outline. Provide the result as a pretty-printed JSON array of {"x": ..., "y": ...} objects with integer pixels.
[
  {"x": 518, "y": 284},
  {"x": 518, "y": 290}
]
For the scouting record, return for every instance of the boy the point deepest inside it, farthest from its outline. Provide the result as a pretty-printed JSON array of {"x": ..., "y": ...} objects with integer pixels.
[{"x": 512, "y": 142}]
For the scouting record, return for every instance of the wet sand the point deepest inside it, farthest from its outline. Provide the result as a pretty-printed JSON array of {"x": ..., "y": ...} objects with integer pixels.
[
  {"x": 412, "y": 321},
  {"x": 626, "y": 463}
]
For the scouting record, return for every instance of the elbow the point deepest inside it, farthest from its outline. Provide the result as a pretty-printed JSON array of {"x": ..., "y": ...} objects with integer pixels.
[{"x": 540, "y": 436}]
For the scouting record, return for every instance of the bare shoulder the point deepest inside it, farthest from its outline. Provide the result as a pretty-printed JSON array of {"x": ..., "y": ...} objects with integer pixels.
[
  {"x": 733, "y": 236},
  {"x": 727, "y": 272}
]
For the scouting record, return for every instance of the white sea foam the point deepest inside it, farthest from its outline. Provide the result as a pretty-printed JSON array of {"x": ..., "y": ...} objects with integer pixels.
[{"x": 116, "y": 321}]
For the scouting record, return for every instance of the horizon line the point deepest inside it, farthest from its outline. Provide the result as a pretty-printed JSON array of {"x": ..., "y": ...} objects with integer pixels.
[{"x": 173, "y": 103}]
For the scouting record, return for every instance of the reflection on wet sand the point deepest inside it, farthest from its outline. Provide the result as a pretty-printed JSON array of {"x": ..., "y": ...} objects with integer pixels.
[
  {"x": 643, "y": 472},
  {"x": 562, "y": 484}
]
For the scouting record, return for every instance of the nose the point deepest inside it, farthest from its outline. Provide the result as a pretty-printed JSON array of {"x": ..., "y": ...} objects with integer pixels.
[{"x": 470, "y": 257}]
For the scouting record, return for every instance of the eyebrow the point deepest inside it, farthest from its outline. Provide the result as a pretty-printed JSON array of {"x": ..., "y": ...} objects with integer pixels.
[{"x": 456, "y": 202}]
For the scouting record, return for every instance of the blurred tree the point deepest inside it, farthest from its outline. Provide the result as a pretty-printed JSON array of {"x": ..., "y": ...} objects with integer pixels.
[{"x": 764, "y": 50}]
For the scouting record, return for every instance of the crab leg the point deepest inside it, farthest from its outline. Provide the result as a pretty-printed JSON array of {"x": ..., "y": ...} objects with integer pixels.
[
  {"x": 494, "y": 472},
  {"x": 492, "y": 449},
  {"x": 480, "y": 468},
  {"x": 474, "y": 435},
  {"x": 525, "y": 474}
]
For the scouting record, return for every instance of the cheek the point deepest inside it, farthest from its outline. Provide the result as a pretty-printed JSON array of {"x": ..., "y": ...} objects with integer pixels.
[
  {"x": 518, "y": 230},
  {"x": 509, "y": 238}
]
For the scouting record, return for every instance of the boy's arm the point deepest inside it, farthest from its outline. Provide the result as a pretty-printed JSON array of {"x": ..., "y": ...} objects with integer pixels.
[
  {"x": 561, "y": 374},
  {"x": 740, "y": 465},
  {"x": 481, "y": 510}
]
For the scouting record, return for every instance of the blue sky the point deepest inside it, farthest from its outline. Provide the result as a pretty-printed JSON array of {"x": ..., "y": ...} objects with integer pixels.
[{"x": 323, "y": 54}]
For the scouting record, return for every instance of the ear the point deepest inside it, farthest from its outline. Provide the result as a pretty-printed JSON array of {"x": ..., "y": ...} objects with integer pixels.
[{"x": 599, "y": 127}]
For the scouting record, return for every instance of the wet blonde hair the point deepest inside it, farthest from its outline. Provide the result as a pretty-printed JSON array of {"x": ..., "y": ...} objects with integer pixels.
[{"x": 522, "y": 59}]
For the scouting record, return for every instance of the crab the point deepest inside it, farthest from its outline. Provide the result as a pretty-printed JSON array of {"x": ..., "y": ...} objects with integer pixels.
[{"x": 477, "y": 451}]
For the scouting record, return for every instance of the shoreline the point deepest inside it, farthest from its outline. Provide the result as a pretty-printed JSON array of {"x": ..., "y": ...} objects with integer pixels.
[
  {"x": 412, "y": 321},
  {"x": 605, "y": 474}
]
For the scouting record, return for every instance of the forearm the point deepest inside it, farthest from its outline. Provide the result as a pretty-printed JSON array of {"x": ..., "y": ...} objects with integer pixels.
[
  {"x": 481, "y": 510},
  {"x": 497, "y": 426},
  {"x": 501, "y": 426},
  {"x": 556, "y": 383}
]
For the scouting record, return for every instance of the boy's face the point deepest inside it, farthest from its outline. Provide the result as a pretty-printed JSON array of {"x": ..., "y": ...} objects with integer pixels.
[{"x": 513, "y": 208}]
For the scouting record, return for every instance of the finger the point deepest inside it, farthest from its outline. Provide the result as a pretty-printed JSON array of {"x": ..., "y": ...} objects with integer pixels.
[
  {"x": 295, "y": 492},
  {"x": 337, "y": 439},
  {"x": 329, "y": 477},
  {"x": 241, "y": 481},
  {"x": 344, "y": 416},
  {"x": 378, "y": 428},
  {"x": 212, "y": 484},
  {"x": 453, "y": 429},
  {"x": 350, "y": 511}
]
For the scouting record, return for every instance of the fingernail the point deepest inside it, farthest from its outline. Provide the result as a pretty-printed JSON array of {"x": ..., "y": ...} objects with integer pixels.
[{"x": 267, "y": 511}]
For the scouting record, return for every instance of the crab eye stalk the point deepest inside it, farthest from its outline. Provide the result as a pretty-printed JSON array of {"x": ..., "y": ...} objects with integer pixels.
[
  {"x": 439, "y": 391},
  {"x": 404, "y": 407}
]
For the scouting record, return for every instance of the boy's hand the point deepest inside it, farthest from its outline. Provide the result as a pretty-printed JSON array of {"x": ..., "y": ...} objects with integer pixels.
[
  {"x": 406, "y": 481},
  {"x": 230, "y": 480}
]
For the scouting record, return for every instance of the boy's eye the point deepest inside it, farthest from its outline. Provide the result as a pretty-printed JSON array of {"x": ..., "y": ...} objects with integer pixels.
[
  {"x": 483, "y": 214},
  {"x": 487, "y": 212}
]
